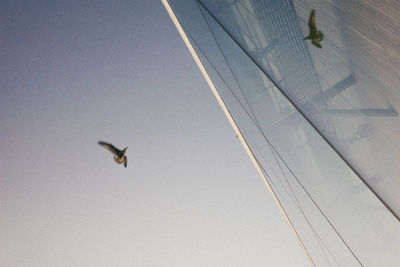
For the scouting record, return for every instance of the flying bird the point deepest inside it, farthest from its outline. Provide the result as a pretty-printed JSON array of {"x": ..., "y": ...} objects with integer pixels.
[
  {"x": 119, "y": 155},
  {"x": 315, "y": 36}
]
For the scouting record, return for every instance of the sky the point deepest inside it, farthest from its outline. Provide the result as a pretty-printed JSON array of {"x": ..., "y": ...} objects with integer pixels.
[{"x": 75, "y": 72}]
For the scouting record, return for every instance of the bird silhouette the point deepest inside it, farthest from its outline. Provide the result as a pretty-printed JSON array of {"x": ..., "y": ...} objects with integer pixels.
[
  {"x": 315, "y": 36},
  {"x": 119, "y": 155}
]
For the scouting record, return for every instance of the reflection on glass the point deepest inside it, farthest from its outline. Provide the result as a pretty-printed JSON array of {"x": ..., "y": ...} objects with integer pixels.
[
  {"x": 334, "y": 92},
  {"x": 315, "y": 36},
  {"x": 315, "y": 120}
]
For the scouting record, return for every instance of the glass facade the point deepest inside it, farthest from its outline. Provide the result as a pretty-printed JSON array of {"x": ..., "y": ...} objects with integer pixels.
[{"x": 322, "y": 123}]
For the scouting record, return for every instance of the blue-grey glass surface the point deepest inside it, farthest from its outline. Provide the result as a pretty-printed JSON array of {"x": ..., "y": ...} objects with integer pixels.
[
  {"x": 322, "y": 123},
  {"x": 348, "y": 89}
]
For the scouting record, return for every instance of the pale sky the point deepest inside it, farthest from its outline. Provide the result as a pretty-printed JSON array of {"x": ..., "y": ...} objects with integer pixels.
[{"x": 75, "y": 72}]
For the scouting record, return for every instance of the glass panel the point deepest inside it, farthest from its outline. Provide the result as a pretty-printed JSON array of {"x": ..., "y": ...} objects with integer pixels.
[
  {"x": 337, "y": 88},
  {"x": 340, "y": 221}
]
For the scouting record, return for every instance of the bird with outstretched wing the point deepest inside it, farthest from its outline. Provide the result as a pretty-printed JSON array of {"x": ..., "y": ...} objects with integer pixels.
[
  {"x": 119, "y": 155},
  {"x": 315, "y": 36}
]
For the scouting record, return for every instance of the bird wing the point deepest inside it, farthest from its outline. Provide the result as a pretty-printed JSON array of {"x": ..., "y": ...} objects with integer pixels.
[
  {"x": 125, "y": 161},
  {"x": 311, "y": 22},
  {"x": 109, "y": 147}
]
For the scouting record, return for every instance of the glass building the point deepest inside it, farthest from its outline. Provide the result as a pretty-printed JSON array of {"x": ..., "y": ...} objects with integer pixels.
[{"x": 320, "y": 124}]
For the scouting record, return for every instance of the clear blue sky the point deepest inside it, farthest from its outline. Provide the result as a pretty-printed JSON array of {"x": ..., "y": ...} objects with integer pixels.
[{"x": 75, "y": 72}]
